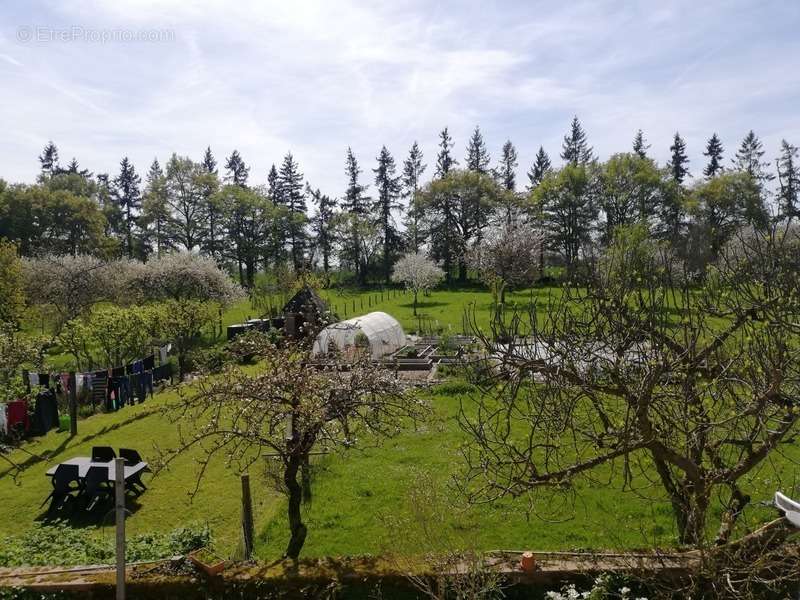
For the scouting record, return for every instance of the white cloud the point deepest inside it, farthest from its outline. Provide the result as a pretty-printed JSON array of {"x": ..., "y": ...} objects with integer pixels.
[{"x": 315, "y": 77}]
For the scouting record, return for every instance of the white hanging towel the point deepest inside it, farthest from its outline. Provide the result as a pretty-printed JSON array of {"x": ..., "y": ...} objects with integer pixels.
[{"x": 33, "y": 378}]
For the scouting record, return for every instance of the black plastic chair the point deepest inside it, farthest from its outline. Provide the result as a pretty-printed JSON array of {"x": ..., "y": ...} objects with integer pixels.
[
  {"x": 132, "y": 458},
  {"x": 96, "y": 486},
  {"x": 66, "y": 481},
  {"x": 103, "y": 454}
]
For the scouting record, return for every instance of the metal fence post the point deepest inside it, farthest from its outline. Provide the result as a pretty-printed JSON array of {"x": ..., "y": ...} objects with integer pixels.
[
  {"x": 73, "y": 405},
  {"x": 119, "y": 487}
]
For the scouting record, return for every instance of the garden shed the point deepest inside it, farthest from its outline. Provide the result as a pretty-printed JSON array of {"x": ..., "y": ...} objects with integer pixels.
[{"x": 381, "y": 331}]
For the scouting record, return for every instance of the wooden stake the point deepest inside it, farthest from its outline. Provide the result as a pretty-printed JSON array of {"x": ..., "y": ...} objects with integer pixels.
[{"x": 247, "y": 517}]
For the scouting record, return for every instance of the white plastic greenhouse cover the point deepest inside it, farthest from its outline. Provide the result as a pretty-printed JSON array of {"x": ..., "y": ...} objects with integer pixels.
[{"x": 384, "y": 333}]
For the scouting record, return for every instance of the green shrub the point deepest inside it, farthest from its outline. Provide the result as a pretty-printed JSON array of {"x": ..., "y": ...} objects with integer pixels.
[{"x": 60, "y": 544}]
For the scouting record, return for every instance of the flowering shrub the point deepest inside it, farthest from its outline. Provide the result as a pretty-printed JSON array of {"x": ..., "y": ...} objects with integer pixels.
[
  {"x": 605, "y": 587},
  {"x": 181, "y": 276}
]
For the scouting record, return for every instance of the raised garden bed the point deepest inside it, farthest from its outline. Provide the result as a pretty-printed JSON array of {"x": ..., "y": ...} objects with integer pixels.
[{"x": 205, "y": 559}]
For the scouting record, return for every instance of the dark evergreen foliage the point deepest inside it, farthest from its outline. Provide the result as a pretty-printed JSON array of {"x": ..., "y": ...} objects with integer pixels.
[
  {"x": 541, "y": 166},
  {"x": 679, "y": 161},
  {"x": 413, "y": 169},
  {"x": 714, "y": 151},
  {"x": 238, "y": 171},
  {"x": 576, "y": 149},
  {"x": 387, "y": 187},
  {"x": 128, "y": 198},
  {"x": 640, "y": 145},
  {"x": 445, "y": 160}
]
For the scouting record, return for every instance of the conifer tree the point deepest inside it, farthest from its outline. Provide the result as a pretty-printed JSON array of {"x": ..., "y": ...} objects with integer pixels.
[
  {"x": 640, "y": 145},
  {"x": 679, "y": 161},
  {"x": 413, "y": 168},
  {"x": 292, "y": 196},
  {"x": 74, "y": 168},
  {"x": 387, "y": 186},
  {"x": 540, "y": 167},
  {"x": 355, "y": 205},
  {"x": 575, "y": 149},
  {"x": 238, "y": 171},
  {"x": 506, "y": 176},
  {"x": 155, "y": 210},
  {"x": 714, "y": 152},
  {"x": 213, "y": 211},
  {"x": 477, "y": 155},
  {"x": 127, "y": 196},
  {"x": 272, "y": 184},
  {"x": 445, "y": 160},
  {"x": 789, "y": 180},
  {"x": 506, "y": 171},
  {"x": 749, "y": 159},
  {"x": 323, "y": 225},
  {"x": 49, "y": 160}
]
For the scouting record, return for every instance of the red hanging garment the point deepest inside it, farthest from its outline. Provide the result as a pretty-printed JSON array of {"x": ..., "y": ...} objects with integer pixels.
[{"x": 18, "y": 416}]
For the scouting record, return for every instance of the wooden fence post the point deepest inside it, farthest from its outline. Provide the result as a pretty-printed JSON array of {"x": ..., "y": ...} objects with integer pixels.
[
  {"x": 119, "y": 487},
  {"x": 247, "y": 517},
  {"x": 73, "y": 405}
]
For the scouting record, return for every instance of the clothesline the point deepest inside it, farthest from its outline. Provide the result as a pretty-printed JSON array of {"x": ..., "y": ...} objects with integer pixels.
[
  {"x": 33, "y": 378},
  {"x": 112, "y": 388}
]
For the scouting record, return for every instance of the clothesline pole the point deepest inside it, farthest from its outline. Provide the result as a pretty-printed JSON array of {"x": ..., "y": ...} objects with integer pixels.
[{"x": 73, "y": 405}]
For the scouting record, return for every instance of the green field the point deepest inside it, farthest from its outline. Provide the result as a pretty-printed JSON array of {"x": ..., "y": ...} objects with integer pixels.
[{"x": 356, "y": 492}]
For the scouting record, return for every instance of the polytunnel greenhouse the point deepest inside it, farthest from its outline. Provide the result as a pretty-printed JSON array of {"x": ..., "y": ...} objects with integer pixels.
[{"x": 380, "y": 331}]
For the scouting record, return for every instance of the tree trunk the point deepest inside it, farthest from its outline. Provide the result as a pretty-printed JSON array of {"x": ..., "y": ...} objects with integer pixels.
[
  {"x": 462, "y": 270},
  {"x": 305, "y": 478},
  {"x": 415, "y": 301},
  {"x": 296, "y": 527}
]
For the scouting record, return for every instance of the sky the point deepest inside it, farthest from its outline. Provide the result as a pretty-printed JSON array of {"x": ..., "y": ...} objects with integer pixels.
[{"x": 105, "y": 79}]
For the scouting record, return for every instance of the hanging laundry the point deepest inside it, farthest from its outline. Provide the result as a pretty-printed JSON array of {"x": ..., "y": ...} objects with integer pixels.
[
  {"x": 33, "y": 379},
  {"x": 64, "y": 378},
  {"x": 87, "y": 380},
  {"x": 44, "y": 380},
  {"x": 163, "y": 351},
  {"x": 149, "y": 362},
  {"x": 3, "y": 420},
  {"x": 45, "y": 413},
  {"x": 118, "y": 372},
  {"x": 162, "y": 372},
  {"x": 17, "y": 417},
  {"x": 147, "y": 384},
  {"x": 138, "y": 366},
  {"x": 99, "y": 388}
]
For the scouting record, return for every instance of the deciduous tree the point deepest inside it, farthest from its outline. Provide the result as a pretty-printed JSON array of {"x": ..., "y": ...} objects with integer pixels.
[
  {"x": 285, "y": 413},
  {"x": 418, "y": 273},
  {"x": 605, "y": 373}
]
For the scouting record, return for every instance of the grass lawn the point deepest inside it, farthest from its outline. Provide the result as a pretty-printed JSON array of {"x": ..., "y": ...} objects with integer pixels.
[
  {"x": 356, "y": 491},
  {"x": 443, "y": 309},
  {"x": 164, "y": 506}
]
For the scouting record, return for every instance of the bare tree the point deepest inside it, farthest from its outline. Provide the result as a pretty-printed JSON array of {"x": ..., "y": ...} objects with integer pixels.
[
  {"x": 286, "y": 412},
  {"x": 689, "y": 387}
]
